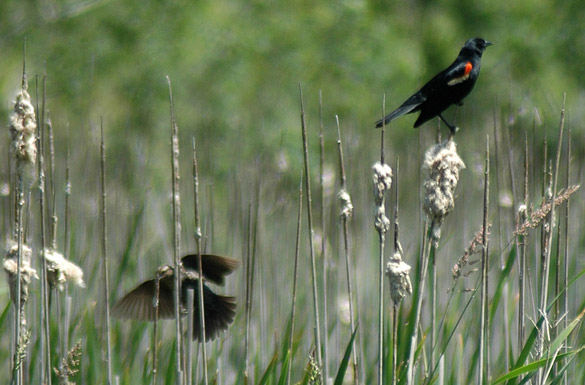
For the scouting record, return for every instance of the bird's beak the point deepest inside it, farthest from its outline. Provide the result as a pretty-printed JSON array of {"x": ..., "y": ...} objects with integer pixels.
[{"x": 488, "y": 43}]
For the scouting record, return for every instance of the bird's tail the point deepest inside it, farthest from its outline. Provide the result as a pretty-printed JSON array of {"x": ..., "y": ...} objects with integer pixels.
[
  {"x": 410, "y": 105},
  {"x": 220, "y": 312}
]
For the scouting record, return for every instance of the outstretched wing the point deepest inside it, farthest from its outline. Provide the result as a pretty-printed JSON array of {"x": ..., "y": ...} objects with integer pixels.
[
  {"x": 139, "y": 304},
  {"x": 214, "y": 267},
  {"x": 220, "y": 312}
]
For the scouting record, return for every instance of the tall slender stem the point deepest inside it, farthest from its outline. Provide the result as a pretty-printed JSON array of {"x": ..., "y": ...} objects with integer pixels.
[
  {"x": 317, "y": 324},
  {"x": 345, "y": 219},
  {"x": 565, "y": 308},
  {"x": 484, "y": 269},
  {"x": 381, "y": 238},
  {"x": 104, "y": 254},
  {"x": 549, "y": 233},
  {"x": 295, "y": 279},
  {"x": 323, "y": 236},
  {"x": 177, "y": 236},
  {"x": 249, "y": 276},
  {"x": 198, "y": 237}
]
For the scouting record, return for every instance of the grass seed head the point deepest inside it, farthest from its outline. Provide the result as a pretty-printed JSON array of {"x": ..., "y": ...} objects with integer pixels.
[{"x": 314, "y": 371}]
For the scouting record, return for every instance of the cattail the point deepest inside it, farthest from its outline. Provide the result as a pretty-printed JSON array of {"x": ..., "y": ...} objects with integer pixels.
[
  {"x": 381, "y": 222},
  {"x": 346, "y": 205},
  {"x": 60, "y": 271},
  {"x": 398, "y": 273},
  {"x": 22, "y": 128},
  {"x": 441, "y": 172},
  {"x": 27, "y": 273},
  {"x": 382, "y": 180}
]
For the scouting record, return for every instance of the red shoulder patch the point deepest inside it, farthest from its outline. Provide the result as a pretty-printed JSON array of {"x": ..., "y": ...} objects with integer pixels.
[{"x": 468, "y": 68}]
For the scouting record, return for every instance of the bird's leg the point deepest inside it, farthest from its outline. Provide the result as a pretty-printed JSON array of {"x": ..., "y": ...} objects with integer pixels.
[{"x": 452, "y": 128}]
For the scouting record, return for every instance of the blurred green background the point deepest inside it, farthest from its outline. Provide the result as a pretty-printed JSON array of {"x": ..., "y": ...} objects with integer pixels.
[{"x": 235, "y": 68}]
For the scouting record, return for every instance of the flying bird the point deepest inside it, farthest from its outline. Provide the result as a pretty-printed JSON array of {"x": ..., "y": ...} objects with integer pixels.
[
  {"x": 139, "y": 304},
  {"x": 448, "y": 87}
]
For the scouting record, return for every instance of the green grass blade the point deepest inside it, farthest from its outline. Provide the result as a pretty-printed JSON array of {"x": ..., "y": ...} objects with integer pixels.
[
  {"x": 533, "y": 366},
  {"x": 563, "y": 335},
  {"x": 269, "y": 370},
  {"x": 345, "y": 361},
  {"x": 285, "y": 369}
]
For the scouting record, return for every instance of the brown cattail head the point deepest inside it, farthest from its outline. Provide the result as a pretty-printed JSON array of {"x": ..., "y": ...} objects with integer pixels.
[
  {"x": 22, "y": 128},
  {"x": 27, "y": 273},
  {"x": 60, "y": 271},
  {"x": 398, "y": 272},
  {"x": 441, "y": 173}
]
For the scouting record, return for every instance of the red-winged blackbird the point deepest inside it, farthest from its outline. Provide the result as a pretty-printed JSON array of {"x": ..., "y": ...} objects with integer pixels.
[
  {"x": 448, "y": 87},
  {"x": 219, "y": 312}
]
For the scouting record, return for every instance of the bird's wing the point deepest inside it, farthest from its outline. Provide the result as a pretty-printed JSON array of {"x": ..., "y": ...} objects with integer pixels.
[
  {"x": 214, "y": 267},
  {"x": 220, "y": 312},
  {"x": 458, "y": 72},
  {"x": 139, "y": 303}
]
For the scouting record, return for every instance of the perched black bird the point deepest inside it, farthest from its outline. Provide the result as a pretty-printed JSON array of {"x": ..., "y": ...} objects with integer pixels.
[
  {"x": 448, "y": 87},
  {"x": 219, "y": 312}
]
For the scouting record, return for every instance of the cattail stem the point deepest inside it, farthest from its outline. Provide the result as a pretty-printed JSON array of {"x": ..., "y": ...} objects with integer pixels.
[
  {"x": 484, "y": 275},
  {"x": 317, "y": 323},
  {"x": 44, "y": 283},
  {"x": 175, "y": 175},
  {"x": 549, "y": 234},
  {"x": 433, "y": 284},
  {"x": 565, "y": 297},
  {"x": 189, "y": 343},
  {"x": 521, "y": 245},
  {"x": 249, "y": 279},
  {"x": 346, "y": 213},
  {"x": 323, "y": 237},
  {"x": 425, "y": 256},
  {"x": 381, "y": 224},
  {"x": 52, "y": 200},
  {"x": 198, "y": 237},
  {"x": 155, "y": 329},
  {"x": 295, "y": 280},
  {"x": 19, "y": 304},
  {"x": 395, "y": 308},
  {"x": 104, "y": 253}
]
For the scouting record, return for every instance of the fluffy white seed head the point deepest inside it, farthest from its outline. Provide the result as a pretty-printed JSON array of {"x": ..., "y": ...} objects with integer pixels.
[
  {"x": 60, "y": 271},
  {"x": 441, "y": 174},
  {"x": 27, "y": 273},
  {"x": 398, "y": 273},
  {"x": 382, "y": 178},
  {"x": 346, "y": 205},
  {"x": 22, "y": 129}
]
